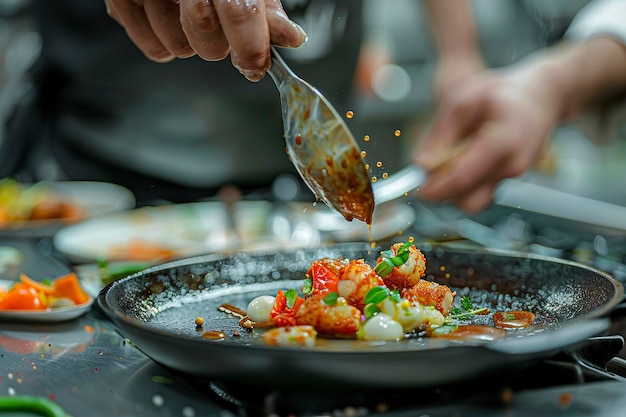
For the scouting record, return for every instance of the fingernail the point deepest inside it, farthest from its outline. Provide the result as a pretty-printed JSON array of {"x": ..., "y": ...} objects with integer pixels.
[
  {"x": 253, "y": 75},
  {"x": 162, "y": 60},
  {"x": 303, "y": 34}
]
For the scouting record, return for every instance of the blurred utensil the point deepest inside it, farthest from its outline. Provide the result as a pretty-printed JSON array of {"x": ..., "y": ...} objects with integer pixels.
[
  {"x": 520, "y": 194},
  {"x": 409, "y": 179},
  {"x": 321, "y": 146}
]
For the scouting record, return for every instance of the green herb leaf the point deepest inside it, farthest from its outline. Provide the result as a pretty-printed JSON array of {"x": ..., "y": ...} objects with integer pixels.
[
  {"x": 331, "y": 298},
  {"x": 466, "y": 303},
  {"x": 370, "y": 310},
  {"x": 389, "y": 260},
  {"x": 466, "y": 310},
  {"x": 465, "y": 315},
  {"x": 291, "y": 296},
  {"x": 455, "y": 310},
  {"x": 376, "y": 295},
  {"x": 307, "y": 286}
]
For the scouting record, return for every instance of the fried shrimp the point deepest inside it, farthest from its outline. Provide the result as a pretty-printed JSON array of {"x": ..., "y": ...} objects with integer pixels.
[
  {"x": 430, "y": 293},
  {"x": 339, "y": 320},
  {"x": 356, "y": 279},
  {"x": 303, "y": 336},
  {"x": 407, "y": 274}
]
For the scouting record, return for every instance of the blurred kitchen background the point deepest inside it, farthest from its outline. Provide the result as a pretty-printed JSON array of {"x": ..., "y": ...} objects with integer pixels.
[{"x": 393, "y": 92}]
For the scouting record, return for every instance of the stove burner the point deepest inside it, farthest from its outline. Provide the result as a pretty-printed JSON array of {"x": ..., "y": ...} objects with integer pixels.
[{"x": 596, "y": 360}]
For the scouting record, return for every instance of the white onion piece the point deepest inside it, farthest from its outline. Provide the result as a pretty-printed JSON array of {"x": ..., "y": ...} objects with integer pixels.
[
  {"x": 432, "y": 316},
  {"x": 345, "y": 287},
  {"x": 259, "y": 309},
  {"x": 409, "y": 315},
  {"x": 382, "y": 327}
]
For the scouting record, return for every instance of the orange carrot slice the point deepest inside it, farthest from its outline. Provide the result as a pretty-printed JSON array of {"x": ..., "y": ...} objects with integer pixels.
[
  {"x": 68, "y": 286},
  {"x": 39, "y": 286}
]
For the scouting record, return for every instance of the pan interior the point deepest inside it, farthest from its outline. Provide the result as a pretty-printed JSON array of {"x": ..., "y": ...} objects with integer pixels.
[{"x": 167, "y": 299}]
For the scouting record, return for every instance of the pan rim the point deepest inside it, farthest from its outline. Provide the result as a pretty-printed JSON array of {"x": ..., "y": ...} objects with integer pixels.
[{"x": 115, "y": 314}]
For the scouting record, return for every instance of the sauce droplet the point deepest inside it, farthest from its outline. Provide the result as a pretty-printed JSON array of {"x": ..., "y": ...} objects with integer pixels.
[
  {"x": 349, "y": 114},
  {"x": 476, "y": 332},
  {"x": 513, "y": 319},
  {"x": 366, "y": 138},
  {"x": 214, "y": 335},
  {"x": 397, "y": 133}
]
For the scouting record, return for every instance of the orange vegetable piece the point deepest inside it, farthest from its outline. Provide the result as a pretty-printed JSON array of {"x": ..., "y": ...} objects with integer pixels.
[
  {"x": 282, "y": 315},
  {"x": 68, "y": 286},
  {"x": 21, "y": 297},
  {"x": 39, "y": 286},
  {"x": 140, "y": 250}
]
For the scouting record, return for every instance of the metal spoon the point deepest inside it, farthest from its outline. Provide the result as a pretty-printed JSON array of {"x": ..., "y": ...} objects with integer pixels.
[{"x": 321, "y": 146}]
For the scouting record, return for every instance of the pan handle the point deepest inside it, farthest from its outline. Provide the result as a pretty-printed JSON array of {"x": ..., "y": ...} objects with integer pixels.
[{"x": 563, "y": 337}]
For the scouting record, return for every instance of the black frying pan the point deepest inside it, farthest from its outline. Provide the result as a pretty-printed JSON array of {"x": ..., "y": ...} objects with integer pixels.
[{"x": 156, "y": 309}]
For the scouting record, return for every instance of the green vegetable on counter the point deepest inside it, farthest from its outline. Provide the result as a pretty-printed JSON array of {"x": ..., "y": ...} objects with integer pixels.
[
  {"x": 39, "y": 405},
  {"x": 112, "y": 272}
]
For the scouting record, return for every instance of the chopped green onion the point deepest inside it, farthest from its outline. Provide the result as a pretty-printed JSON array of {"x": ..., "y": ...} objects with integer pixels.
[
  {"x": 384, "y": 267},
  {"x": 331, "y": 298}
]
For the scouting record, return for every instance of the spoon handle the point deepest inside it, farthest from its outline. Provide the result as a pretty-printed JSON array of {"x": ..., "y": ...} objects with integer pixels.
[{"x": 279, "y": 71}]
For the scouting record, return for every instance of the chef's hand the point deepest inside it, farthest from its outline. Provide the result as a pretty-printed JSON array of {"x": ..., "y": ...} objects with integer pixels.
[
  {"x": 452, "y": 70},
  {"x": 500, "y": 121},
  {"x": 166, "y": 29}
]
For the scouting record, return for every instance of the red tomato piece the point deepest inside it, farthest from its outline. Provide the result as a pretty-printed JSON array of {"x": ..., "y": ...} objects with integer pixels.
[
  {"x": 324, "y": 280},
  {"x": 281, "y": 314},
  {"x": 21, "y": 297}
]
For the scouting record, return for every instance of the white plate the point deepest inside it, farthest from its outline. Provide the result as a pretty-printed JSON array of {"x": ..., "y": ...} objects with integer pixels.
[
  {"x": 197, "y": 228},
  {"x": 94, "y": 198},
  {"x": 41, "y": 316},
  {"x": 183, "y": 229}
]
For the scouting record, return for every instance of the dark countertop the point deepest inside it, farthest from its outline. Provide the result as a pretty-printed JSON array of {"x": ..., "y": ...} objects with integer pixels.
[{"x": 89, "y": 369}]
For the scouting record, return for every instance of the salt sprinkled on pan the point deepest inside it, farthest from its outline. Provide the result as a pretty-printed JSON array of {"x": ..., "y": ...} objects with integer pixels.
[{"x": 209, "y": 278}]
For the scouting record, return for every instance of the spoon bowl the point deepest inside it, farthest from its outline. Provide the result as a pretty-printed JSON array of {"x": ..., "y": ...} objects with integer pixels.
[{"x": 321, "y": 146}]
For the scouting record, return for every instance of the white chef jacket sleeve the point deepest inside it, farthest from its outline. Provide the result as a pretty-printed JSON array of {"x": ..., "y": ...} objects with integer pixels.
[{"x": 607, "y": 122}]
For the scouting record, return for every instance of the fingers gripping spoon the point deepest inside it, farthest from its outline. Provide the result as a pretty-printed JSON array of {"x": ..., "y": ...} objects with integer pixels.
[{"x": 321, "y": 146}]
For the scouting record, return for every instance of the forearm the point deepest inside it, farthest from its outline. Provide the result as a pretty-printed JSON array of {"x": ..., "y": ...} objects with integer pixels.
[
  {"x": 583, "y": 74},
  {"x": 453, "y": 28}
]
